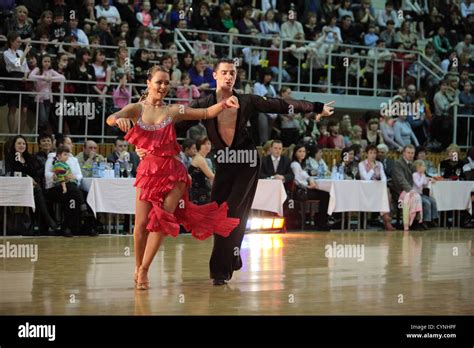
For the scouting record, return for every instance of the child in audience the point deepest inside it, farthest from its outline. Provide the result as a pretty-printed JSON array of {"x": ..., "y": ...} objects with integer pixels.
[
  {"x": 61, "y": 169},
  {"x": 184, "y": 92},
  {"x": 420, "y": 181}
]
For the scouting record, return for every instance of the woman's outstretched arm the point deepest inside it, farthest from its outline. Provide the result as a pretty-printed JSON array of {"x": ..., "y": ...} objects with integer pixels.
[{"x": 124, "y": 118}]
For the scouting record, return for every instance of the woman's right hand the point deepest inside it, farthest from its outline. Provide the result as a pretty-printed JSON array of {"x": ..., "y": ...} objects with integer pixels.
[
  {"x": 124, "y": 124},
  {"x": 141, "y": 153},
  {"x": 312, "y": 185}
]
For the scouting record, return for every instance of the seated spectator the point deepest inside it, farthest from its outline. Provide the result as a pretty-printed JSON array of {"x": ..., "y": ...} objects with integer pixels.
[
  {"x": 188, "y": 152},
  {"x": 405, "y": 36},
  {"x": 452, "y": 166},
  {"x": 345, "y": 10},
  {"x": 144, "y": 16},
  {"x": 45, "y": 143},
  {"x": 196, "y": 132},
  {"x": 291, "y": 27},
  {"x": 388, "y": 35},
  {"x": 388, "y": 13},
  {"x": 465, "y": 45},
  {"x": 430, "y": 208},
  {"x": 349, "y": 163},
  {"x": 62, "y": 173},
  {"x": 108, "y": 11},
  {"x": 88, "y": 157},
  {"x": 332, "y": 31},
  {"x": 269, "y": 26},
  {"x": 373, "y": 134},
  {"x": 72, "y": 211},
  {"x": 247, "y": 25},
  {"x": 202, "y": 176},
  {"x": 242, "y": 85},
  {"x": 78, "y": 33},
  {"x": 276, "y": 166},
  {"x": 468, "y": 168},
  {"x": 121, "y": 154},
  {"x": 142, "y": 40},
  {"x": 403, "y": 133},
  {"x": 201, "y": 76},
  {"x": 441, "y": 43},
  {"x": 420, "y": 155},
  {"x": 356, "y": 137},
  {"x": 402, "y": 186},
  {"x": 388, "y": 163},
  {"x": 467, "y": 8},
  {"x": 103, "y": 31},
  {"x": 371, "y": 169},
  {"x": 304, "y": 181},
  {"x": 59, "y": 29},
  {"x": 19, "y": 23},
  {"x": 333, "y": 139},
  {"x": 371, "y": 38},
  {"x": 18, "y": 159},
  {"x": 310, "y": 130},
  {"x": 315, "y": 163}
]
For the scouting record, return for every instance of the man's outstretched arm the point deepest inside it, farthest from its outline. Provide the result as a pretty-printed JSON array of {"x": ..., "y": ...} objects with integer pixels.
[{"x": 290, "y": 106}]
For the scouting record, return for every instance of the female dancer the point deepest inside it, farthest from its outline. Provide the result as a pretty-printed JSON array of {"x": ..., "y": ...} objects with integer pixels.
[{"x": 162, "y": 180}]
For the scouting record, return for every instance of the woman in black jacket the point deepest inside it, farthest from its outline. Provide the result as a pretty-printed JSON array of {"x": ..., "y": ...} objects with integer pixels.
[{"x": 18, "y": 159}]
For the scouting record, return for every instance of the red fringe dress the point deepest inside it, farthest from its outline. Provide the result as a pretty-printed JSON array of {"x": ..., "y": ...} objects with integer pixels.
[{"x": 157, "y": 174}]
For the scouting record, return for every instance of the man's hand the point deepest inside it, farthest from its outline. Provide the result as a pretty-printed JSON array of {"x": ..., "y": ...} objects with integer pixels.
[
  {"x": 279, "y": 177},
  {"x": 141, "y": 153},
  {"x": 328, "y": 109}
]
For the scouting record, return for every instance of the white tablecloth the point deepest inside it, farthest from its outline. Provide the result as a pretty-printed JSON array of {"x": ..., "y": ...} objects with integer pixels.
[
  {"x": 355, "y": 195},
  {"x": 270, "y": 196},
  {"x": 118, "y": 195},
  {"x": 453, "y": 195},
  {"x": 16, "y": 192}
]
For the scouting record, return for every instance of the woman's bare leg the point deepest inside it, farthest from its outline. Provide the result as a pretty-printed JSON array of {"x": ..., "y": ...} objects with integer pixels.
[
  {"x": 155, "y": 239},
  {"x": 12, "y": 120},
  {"x": 140, "y": 234}
]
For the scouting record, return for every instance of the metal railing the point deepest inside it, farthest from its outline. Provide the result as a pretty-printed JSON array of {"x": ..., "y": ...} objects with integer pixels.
[{"x": 463, "y": 143}]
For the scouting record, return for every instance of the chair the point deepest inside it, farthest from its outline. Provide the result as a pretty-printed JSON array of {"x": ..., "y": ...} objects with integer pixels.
[{"x": 305, "y": 206}]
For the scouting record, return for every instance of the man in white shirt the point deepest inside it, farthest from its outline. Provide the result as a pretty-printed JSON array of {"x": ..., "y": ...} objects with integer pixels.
[
  {"x": 290, "y": 28},
  {"x": 466, "y": 46},
  {"x": 78, "y": 33},
  {"x": 109, "y": 12},
  {"x": 71, "y": 200}
]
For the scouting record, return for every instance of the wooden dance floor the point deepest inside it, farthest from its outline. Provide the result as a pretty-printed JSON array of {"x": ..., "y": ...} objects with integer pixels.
[{"x": 425, "y": 273}]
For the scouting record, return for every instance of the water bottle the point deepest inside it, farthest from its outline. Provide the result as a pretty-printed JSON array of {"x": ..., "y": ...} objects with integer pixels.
[
  {"x": 102, "y": 169},
  {"x": 341, "y": 172},
  {"x": 95, "y": 170},
  {"x": 334, "y": 175},
  {"x": 321, "y": 171},
  {"x": 117, "y": 169}
]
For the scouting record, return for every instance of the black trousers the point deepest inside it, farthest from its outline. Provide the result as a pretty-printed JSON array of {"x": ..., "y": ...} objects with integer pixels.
[
  {"x": 235, "y": 184},
  {"x": 71, "y": 202},
  {"x": 321, "y": 217}
]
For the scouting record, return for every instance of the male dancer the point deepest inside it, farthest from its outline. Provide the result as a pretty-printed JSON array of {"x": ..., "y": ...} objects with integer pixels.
[{"x": 236, "y": 183}]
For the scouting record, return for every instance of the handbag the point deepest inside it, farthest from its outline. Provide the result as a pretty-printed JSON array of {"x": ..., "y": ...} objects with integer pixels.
[{"x": 301, "y": 193}]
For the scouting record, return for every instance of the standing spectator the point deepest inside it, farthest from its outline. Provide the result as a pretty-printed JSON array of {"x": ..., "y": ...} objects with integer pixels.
[
  {"x": 248, "y": 26},
  {"x": 388, "y": 132},
  {"x": 186, "y": 91},
  {"x": 264, "y": 88},
  {"x": 466, "y": 99},
  {"x": 201, "y": 174},
  {"x": 201, "y": 18},
  {"x": 108, "y": 11},
  {"x": 144, "y": 16},
  {"x": 381, "y": 54},
  {"x": 122, "y": 66},
  {"x": 44, "y": 76},
  {"x": 121, "y": 95},
  {"x": 289, "y": 122},
  {"x": 88, "y": 157},
  {"x": 103, "y": 75},
  {"x": 418, "y": 10},
  {"x": 203, "y": 46},
  {"x": 442, "y": 123},
  {"x": 17, "y": 67},
  {"x": 142, "y": 40}
]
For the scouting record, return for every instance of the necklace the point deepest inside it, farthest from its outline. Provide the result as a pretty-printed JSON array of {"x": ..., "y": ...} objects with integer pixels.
[{"x": 157, "y": 106}]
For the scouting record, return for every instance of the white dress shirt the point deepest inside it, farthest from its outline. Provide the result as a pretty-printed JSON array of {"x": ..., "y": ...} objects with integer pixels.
[
  {"x": 48, "y": 169},
  {"x": 12, "y": 61},
  {"x": 301, "y": 176},
  {"x": 370, "y": 175}
]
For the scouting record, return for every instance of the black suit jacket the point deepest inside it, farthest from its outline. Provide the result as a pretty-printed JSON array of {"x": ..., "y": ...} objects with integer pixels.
[
  {"x": 284, "y": 168},
  {"x": 402, "y": 179},
  {"x": 134, "y": 159}
]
